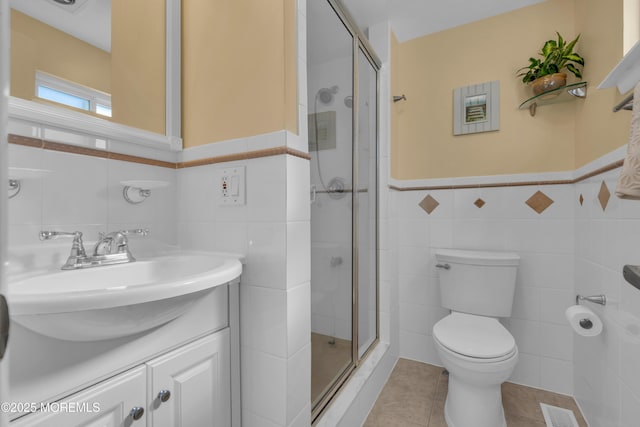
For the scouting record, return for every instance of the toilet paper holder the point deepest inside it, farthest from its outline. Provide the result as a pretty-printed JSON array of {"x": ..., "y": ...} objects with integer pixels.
[{"x": 598, "y": 299}]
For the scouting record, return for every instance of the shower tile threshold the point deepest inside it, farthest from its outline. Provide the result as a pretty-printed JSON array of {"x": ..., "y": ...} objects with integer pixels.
[{"x": 415, "y": 393}]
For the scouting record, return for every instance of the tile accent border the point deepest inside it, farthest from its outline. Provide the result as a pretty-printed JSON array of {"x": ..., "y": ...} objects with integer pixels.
[
  {"x": 267, "y": 152},
  {"x": 93, "y": 152},
  {"x": 596, "y": 172}
]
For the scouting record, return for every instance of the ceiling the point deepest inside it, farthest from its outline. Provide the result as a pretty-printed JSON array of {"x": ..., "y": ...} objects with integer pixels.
[
  {"x": 415, "y": 18},
  {"x": 91, "y": 20}
]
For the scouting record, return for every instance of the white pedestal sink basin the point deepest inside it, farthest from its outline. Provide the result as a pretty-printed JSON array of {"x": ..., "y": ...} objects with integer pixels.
[{"x": 118, "y": 300}]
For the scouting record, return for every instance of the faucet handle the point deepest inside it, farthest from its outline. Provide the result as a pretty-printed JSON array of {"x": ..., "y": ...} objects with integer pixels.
[
  {"x": 139, "y": 231},
  {"x": 78, "y": 252},
  {"x": 50, "y": 235}
]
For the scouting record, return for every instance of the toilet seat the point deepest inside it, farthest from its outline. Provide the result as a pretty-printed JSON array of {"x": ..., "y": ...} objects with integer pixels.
[{"x": 480, "y": 338}]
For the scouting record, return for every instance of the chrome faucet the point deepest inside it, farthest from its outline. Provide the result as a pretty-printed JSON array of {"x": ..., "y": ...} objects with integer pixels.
[
  {"x": 111, "y": 248},
  {"x": 116, "y": 242}
]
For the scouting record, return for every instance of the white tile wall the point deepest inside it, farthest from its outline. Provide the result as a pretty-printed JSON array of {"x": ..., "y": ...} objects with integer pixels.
[
  {"x": 545, "y": 243},
  {"x": 606, "y": 371},
  {"x": 272, "y": 233},
  {"x": 75, "y": 192}
]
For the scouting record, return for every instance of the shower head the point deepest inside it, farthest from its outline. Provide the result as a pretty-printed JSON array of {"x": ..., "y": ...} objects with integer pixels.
[{"x": 326, "y": 94}]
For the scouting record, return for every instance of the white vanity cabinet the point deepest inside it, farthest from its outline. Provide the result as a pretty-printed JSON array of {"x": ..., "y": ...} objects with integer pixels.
[
  {"x": 108, "y": 404},
  {"x": 194, "y": 381},
  {"x": 183, "y": 374}
]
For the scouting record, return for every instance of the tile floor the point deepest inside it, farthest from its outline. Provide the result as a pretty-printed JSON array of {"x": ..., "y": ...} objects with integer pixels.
[{"x": 415, "y": 393}]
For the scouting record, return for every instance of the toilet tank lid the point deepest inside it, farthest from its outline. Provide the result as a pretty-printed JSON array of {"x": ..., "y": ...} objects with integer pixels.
[{"x": 461, "y": 256}]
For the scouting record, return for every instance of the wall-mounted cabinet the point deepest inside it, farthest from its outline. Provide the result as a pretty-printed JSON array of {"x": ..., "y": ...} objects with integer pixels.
[{"x": 562, "y": 94}]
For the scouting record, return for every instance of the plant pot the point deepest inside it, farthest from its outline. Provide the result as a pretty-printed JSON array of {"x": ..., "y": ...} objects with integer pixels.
[{"x": 548, "y": 82}]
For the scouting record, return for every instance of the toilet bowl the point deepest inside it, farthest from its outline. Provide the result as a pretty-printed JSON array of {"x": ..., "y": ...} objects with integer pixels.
[{"x": 480, "y": 354}]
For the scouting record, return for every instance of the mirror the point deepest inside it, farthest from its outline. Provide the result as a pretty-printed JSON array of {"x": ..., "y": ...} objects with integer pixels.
[{"x": 64, "y": 55}]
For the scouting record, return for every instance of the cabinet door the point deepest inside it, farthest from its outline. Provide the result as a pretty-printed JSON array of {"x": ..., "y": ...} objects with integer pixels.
[
  {"x": 197, "y": 376},
  {"x": 107, "y": 404}
]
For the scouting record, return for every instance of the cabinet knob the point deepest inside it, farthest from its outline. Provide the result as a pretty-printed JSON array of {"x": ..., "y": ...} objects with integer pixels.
[
  {"x": 164, "y": 395},
  {"x": 136, "y": 413}
]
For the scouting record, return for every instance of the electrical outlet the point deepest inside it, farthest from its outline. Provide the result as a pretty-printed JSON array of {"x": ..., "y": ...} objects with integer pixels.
[{"x": 232, "y": 186}]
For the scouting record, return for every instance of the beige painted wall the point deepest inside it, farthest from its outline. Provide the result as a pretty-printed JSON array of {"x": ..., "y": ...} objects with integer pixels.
[
  {"x": 239, "y": 69},
  {"x": 138, "y": 64},
  {"x": 598, "y": 129},
  {"x": 561, "y": 137},
  {"x": 134, "y": 73},
  {"x": 37, "y": 46}
]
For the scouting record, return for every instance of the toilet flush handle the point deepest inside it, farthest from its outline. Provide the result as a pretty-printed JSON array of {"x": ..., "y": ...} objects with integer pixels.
[{"x": 445, "y": 266}]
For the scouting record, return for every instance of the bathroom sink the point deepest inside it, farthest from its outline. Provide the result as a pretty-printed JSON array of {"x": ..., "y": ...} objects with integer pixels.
[{"x": 117, "y": 300}]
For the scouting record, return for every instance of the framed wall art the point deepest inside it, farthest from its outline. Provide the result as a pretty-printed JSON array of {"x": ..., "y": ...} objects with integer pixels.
[{"x": 476, "y": 108}]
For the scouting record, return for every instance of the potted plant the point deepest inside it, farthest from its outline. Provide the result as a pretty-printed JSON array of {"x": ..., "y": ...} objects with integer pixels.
[{"x": 546, "y": 74}]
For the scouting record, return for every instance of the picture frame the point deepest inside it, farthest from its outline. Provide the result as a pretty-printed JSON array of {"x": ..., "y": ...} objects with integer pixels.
[{"x": 476, "y": 108}]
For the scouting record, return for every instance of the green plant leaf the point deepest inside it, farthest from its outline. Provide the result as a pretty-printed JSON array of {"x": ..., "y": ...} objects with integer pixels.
[
  {"x": 575, "y": 58},
  {"x": 569, "y": 48},
  {"x": 560, "y": 40},
  {"x": 549, "y": 47},
  {"x": 574, "y": 70}
]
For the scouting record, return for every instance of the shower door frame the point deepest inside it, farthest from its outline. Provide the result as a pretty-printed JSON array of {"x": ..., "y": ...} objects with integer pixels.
[
  {"x": 360, "y": 44},
  {"x": 5, "y": 37}
]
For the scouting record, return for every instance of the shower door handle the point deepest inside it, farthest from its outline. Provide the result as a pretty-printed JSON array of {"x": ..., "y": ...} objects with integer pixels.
[
  {"x": 313, "y": 194},
  {"x": 444, "y": 266}
]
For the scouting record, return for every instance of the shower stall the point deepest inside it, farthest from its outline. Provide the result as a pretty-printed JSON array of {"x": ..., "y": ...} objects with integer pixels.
[{"x": 343, "y": 144}]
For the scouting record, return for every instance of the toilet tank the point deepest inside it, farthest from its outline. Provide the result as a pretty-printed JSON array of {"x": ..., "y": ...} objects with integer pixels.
[{"x": 477, "y": 282}]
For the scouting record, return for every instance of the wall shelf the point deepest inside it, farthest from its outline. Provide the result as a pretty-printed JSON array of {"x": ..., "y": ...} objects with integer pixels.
[{"x": 561, "y": 94}]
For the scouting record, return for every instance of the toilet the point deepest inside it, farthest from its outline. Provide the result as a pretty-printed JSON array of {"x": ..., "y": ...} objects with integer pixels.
[{"x": 479, "y": 353}]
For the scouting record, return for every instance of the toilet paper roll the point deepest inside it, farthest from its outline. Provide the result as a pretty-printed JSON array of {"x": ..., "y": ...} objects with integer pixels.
[{"x": 584, "y": 321}]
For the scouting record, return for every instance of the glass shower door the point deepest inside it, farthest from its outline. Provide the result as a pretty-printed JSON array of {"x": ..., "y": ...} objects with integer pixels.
[
  {"x": 367, "y": 203},
  {"x": 330, "y": 99}
]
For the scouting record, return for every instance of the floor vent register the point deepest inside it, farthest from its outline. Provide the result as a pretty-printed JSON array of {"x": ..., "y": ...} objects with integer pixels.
[{"x": 558, "y": 417}]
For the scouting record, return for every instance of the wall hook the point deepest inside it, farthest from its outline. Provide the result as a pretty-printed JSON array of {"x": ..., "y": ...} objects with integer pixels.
[{"x": 397, "y": 98}]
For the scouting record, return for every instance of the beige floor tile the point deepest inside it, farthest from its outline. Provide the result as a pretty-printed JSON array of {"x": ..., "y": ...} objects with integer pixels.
[
  {"x": 442, "y": 388},
  {"x": 385, "y": 420},
  {"x": 403, "y": 404},
  {"x": 521, "y": 401},
  {"x": 436, "y": 419},
  {"x": 516, "y": 421},
  {"x": 415, "y": 396}
]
